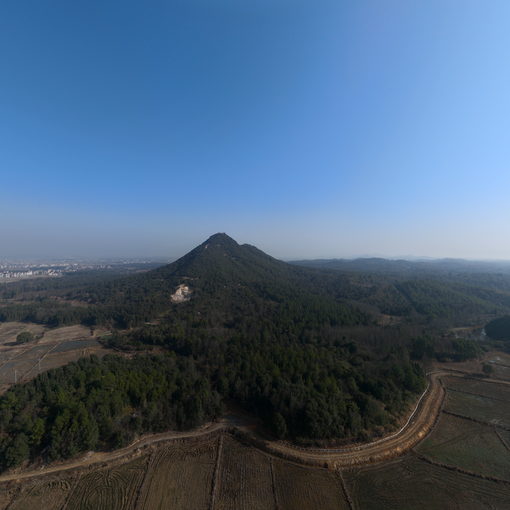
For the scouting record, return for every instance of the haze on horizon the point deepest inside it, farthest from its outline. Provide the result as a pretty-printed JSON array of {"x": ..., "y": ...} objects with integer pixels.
[{"x": 309, "y": 129}]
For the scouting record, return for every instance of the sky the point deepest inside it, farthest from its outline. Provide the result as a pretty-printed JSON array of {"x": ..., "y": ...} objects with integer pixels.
[{"x": 308, "y": 128}]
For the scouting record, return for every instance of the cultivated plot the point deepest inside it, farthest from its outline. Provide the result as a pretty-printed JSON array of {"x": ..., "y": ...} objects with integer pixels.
[
  {"x": 477, "y": 387},
  {"x": 310, "y": 488},
  {"x": 490, "y": 410},
  {"x": 49, "y": 495},
  {"x": 179, "y": 477},
  {"x": 52, "y": 348},
  {"x": 10, "y": 330},
  {"x": 409, "y": 483},
  {"x": 109, "y": 489},
  {"x": 245, "y": 479},
  {"x": 467, "y": 445}
]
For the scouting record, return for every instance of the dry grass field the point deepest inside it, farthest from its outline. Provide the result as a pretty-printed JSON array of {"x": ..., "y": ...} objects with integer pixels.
[
  {"x": 409, "y": 483},
  {"x": 301, "y": 487},
  {"x": 109, "y": 489},
  {"x": 10, "y": 330},
  {"x": 179, "y": 476},
  {"x": 244, "y": 478},
  {"x": 51, "y": 348},
  {"x": 494, "y": 410},
  {"x": 467, "y": 445},
  {"x": 50, "y": 495},
  {"x": 477, "y": 387},
  {"x": 217, "y": 473}
]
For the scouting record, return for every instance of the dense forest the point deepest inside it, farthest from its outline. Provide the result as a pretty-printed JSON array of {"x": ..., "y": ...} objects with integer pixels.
[
  {"x": 305, "y": 349},
  {"x": 499, "y": 329},
  {"x": 96, "y": 403}
]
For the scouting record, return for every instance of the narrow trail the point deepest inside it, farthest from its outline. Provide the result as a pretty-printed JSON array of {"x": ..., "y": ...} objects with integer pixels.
[{"x": 418, "y": 425}]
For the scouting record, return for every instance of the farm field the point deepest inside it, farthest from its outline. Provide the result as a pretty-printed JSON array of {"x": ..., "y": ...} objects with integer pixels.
[
  {"x": 10, "y": 330},
  {"x": 490, "y": 410},
  {"x": 409, "y": 483},
  {"x": 218, "y": 473},
  {"x": 501, "y": 372},
  {"x": 51, "y": 348},
  {"x": 504, "y": 435},
  {"x": 468, "y": 445},
  {"x": 244, "y": 480},
  {"x": 109, "y": 489},
  {"x": 179, "y": 476},
  {"x": 301, "y": 487},
  {"x": 50, "y": 495},
  {"x": 483, "y": 388}
]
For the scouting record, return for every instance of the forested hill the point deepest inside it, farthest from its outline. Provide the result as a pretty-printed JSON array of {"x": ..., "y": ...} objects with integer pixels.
[
  {"x": 301, "y": 348},
  {"x": 451, "y": 291},
  {"x": 269, "y": 336},
  {"x": 223, "y": 280}
]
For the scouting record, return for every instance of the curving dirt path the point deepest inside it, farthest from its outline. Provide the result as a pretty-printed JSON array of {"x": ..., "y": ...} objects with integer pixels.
[{"x": 418, "y": 425}]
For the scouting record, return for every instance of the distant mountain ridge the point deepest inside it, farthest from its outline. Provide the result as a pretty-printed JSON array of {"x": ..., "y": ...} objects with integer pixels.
[
  {"x": 220, "y": 273},
  {"x": 405, "y": 266}
]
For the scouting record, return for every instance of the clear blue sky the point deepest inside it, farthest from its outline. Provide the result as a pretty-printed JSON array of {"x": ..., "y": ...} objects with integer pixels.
[{"x": 309, "y": 128}]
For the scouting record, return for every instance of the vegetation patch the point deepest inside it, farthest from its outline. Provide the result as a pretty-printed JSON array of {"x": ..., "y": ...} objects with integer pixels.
[{"x": 499, "y": 329}]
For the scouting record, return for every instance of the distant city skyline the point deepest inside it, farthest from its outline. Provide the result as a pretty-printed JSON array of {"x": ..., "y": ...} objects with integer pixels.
[{"x": 325, "y": 129}]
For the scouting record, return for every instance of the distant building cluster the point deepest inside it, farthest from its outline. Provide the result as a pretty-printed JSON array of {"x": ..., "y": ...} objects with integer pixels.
[
  {"x": 18, "y": 270},
  {"x": 16, "y": 275}
]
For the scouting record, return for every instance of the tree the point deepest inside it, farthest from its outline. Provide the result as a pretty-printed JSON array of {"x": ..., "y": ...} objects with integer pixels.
[
  {"x": 487, "y": 369},
  {"x": 17, "y": 452},
  {"x": 24, "y": 337},
  {"x": 280, "y": 426}
]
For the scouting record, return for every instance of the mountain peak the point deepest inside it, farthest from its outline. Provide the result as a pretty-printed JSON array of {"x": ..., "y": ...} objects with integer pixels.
[{"x": 222, "y": 239}]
